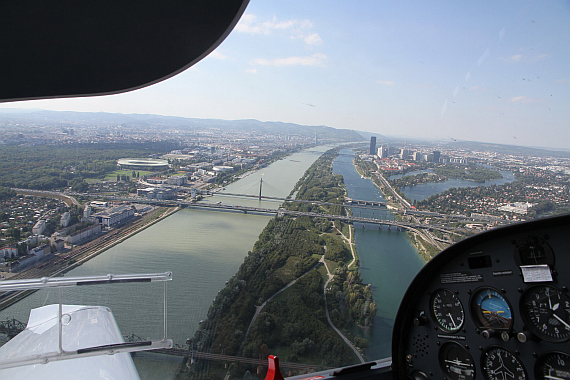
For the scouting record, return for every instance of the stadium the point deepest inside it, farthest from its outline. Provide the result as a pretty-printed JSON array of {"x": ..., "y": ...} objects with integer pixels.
[{"x": 142, "y": 164}]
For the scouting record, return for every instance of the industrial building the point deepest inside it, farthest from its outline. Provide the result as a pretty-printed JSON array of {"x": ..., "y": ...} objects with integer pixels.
[
  {"x": 157, "y": 193},
  {"x": 114, "y": 216}
]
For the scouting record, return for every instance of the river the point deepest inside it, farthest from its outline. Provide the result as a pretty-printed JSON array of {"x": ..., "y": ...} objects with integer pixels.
[
  {"x": 388, "y": 260},
  {"x": 202, "y": 248}
]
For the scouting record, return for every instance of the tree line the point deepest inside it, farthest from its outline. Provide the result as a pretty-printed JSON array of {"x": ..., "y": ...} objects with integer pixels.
[{"x": 55, "y": 166}]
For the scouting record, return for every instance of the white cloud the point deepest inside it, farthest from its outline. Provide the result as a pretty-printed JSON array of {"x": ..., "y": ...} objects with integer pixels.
[
  {"x": 252, "y": 71},
  {"x": 524, "y": 99},
  {"x": 525, "y": 58},
  {"x": 217, "y": 55},
  {"x": 385, "y": 82},
  {"x": 313, "y": 60},
  {"x": 245, "y": 24},
  {"x": 563, "y": 81},
  {"x": 313, "y": 39},
  {"x": 248, "y": 24},
  {"x": 295, "y": 29}
]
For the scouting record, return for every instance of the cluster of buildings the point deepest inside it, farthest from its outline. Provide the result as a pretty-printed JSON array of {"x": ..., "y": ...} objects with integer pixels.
[
  {"x": 198, "y": 167},
  {"x": 37, "y": 247},
  {"x": 407, "y": 154}
]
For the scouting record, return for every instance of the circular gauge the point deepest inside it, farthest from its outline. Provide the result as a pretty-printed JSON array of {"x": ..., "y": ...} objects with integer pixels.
[
  {"x": 533, "y": 250},
  {"x": 553, "y": 365},
  {"x": 498, "y": 363},
  {"x": 456, "y": 362},
  {"x": 546, "y": 311},
  {"x": 446, "y": 310},
  {"x": 490, "y": 309}
]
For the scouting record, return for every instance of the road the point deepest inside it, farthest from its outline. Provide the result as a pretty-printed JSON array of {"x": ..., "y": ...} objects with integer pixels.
[
  {"x": 260, "y": 307},
  {"x": 348, "y": 342},
  {"x": 404, "y": 203},
  {"x": 350, "y": 243},
  {"x": 68, "y": 199}
]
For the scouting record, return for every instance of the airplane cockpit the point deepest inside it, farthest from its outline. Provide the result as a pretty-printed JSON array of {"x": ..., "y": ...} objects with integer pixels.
[{"x": 494, "y": 306}]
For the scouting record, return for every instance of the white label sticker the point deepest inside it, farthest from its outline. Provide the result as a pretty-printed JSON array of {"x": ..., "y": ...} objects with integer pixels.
[{"x": 536, "y": 273}]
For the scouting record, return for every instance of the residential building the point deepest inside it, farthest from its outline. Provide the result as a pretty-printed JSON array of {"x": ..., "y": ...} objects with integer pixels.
[
  {"x": 65, "y": 218},
  {"x": 39, "y": 227}
]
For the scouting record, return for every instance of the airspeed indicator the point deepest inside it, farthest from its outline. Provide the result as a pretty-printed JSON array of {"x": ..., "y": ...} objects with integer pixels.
[{"x": 447, "y": 311}]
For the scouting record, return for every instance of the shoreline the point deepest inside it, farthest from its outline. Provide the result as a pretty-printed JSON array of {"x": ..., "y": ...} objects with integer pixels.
[
  {"x": 157, "y": 216},
  {"x": 419, "y": 246},
  {"x": 167, "y": 212}
]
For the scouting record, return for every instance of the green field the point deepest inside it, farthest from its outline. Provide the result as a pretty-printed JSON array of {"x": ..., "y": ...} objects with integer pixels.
[{"x": 113, "y": 175}]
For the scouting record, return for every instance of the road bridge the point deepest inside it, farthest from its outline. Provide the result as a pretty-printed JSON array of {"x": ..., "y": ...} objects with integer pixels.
[
  {"x": 281, "y": 211},
  {"x": 349, "y": 203}
]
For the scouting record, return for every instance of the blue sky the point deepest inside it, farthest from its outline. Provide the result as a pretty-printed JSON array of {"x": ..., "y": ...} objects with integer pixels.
[{"x": 494, "y": 71}]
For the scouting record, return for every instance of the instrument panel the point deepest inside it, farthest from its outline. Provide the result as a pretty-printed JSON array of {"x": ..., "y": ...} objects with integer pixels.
[{"x": 495, "y": 306}]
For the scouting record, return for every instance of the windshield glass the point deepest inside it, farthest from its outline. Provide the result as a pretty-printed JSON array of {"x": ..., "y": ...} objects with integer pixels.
[{"x": 398, "y": 128}]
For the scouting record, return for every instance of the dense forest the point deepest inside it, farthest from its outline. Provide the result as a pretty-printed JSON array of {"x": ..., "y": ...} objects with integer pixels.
[
  {"x": 55, "y": 166},
  {"x": 293, "y": 324}
]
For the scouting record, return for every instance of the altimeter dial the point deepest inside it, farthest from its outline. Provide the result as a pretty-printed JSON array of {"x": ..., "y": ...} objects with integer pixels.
[
  {"x": 447, "y": 311},
  {"x": 546, "y": 311}
]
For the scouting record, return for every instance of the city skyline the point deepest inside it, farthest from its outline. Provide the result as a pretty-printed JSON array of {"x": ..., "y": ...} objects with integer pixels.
[{"x": 486, "y": 72}]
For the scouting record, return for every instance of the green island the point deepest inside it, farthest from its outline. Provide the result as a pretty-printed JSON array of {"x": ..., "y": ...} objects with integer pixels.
[
  {"x": 275, "y": 303},
  {"x": 472, "y": 172},
  {"x": 413, "y": 180}
]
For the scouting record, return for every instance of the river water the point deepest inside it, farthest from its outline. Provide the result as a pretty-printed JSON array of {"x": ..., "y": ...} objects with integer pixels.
[
  {"x": 388, "y": 260},
  {"x": 202, "y": 248},
  {"x": 425, "y": 190}
]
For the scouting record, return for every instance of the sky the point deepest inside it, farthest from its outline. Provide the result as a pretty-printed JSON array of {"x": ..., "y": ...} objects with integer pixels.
[{"x": 490, "y": 71}]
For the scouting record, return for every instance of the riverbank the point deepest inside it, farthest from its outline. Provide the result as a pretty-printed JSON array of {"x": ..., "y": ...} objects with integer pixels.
[
  {"x": 131, "y": 230},
  {"x": 423, "y": 246},
  {"x": 81, "y": 254}
]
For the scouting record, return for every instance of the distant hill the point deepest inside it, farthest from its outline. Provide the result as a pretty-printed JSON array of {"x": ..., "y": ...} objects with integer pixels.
[
  {"x": 367, "y": 135},
  {"x": 42, "y": 117}
]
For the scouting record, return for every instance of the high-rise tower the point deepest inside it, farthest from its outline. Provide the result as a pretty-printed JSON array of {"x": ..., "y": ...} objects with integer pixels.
[
  {"x": 436, "y": 155},
  {"x": 373, "y": 145}
]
